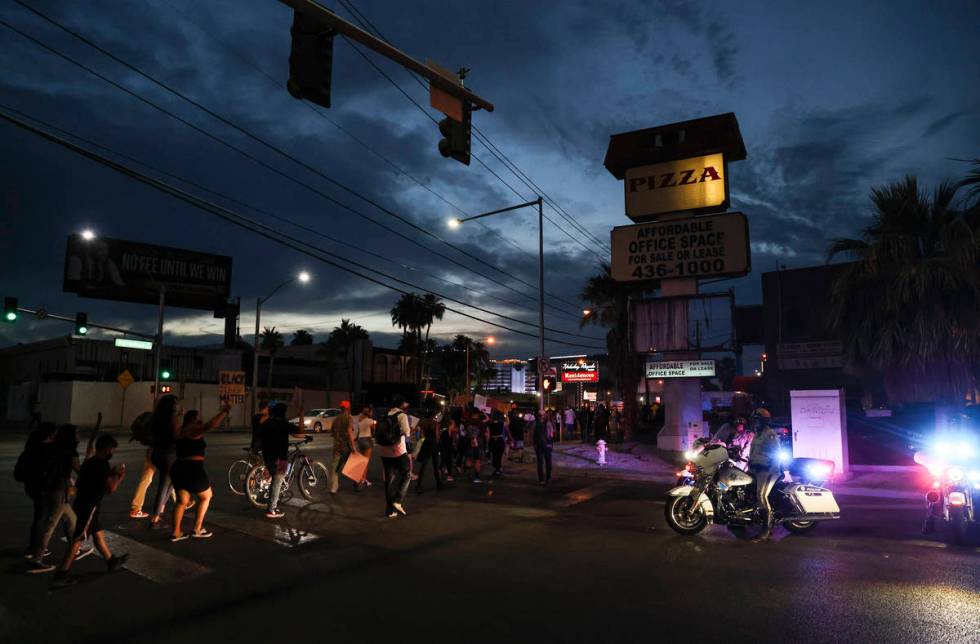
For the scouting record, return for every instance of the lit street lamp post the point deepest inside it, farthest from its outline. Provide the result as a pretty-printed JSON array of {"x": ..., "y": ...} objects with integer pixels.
[
  {"x": 303, "y": 278},
  {"x": 455, "y": 223}
]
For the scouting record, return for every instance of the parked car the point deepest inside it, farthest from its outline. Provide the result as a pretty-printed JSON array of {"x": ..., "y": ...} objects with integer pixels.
[{"x": 318, "y": 420}]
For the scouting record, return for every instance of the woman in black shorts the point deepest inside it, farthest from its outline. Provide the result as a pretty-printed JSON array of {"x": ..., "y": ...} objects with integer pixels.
[{"x": 188, "y": 473}]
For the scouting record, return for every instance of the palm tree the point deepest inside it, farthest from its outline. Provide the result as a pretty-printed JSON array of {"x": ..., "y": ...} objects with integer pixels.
[
  {"x": 343, "y": 342},
  {"x": 609, "y": 306},
  {"x": 271, "y": 342},
  {"x": 410, "y": 314},
  {"x": 301, "y": 338},
  {"x": 432, "y": 309},
  {"x": 909, "y": 306}
]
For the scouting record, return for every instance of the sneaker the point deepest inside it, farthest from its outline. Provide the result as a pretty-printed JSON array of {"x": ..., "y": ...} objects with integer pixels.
[
  {"x": 391, "y": 514},
  {"x": 478, "y": 480},
  {"x": 116, "y": 562},
  {"x": 84, "y": 551},
  {"x": 203, "y": 534},
  {"x": 157, "y": 525},
  {"x": 30, "y": 555},
  {"x": 138, "y": 514},
  {"x": 179, "y": 537},
  {"x": 450, "y": 479},
  {"x": 39, "y": 566},
  {"x": 399, "y": 509},
  {"x": 274, "y": 514}
]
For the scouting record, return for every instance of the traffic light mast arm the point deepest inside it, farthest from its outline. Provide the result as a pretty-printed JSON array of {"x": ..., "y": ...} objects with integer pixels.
[
  {"x": 324, "y": 15},
  {"x": 44, "y": 315}
]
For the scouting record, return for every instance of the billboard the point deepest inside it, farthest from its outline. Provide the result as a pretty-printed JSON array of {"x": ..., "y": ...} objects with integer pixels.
[
  {"x": 116, "y": 269},
  {"x": 709, "y": 246},
  {"x": 575, "y": 371}
]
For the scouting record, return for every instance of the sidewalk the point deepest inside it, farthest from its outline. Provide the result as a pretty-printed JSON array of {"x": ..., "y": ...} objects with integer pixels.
[{"x": 642, "y": 462}]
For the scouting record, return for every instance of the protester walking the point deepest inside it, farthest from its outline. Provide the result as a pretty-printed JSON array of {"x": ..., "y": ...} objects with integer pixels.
[
  {"x": 189, "y": 475},
  {"x": 343, "y": 444},
  {"x": 389, "y": 436},
  {"x": 364, "y": 438},
  {"x": 275, "y": 451},
  {"x": 515, "y": 426},
  {"x": 601, "y": 422},
  {"x": 428, "y": 450},
  {"x": 57, "y": 490},
  {"x": 544, "y": 433},
  {"x": 475, "y": 441},
  {"x": 29, "y": 470},
  {"x": 568, "y": 419},
  {"x": 447, "y": 440},
  {"x": 96, "y": 478},
  {"x": 165, "y": 425},
  {"x": 497, "y": 432}
]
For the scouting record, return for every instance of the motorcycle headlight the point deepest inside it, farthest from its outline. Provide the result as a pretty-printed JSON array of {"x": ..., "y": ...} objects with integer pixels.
[
  {"x": 783, "y": 456},
  {"x": 957, "y": 498},
  {"x": 955, "y": 474},
  {"x": 690, "y": 454}
]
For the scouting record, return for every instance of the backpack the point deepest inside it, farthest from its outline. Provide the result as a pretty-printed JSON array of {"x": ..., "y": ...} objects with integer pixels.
[
  {"x": 387, "y": 432},
  {"x": 142, "y": 429}
]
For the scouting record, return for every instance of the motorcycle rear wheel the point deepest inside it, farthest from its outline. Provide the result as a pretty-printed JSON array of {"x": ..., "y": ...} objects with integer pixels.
[
  {"x": 679, "y": 521},
  {"x": 800, "y": 527}
]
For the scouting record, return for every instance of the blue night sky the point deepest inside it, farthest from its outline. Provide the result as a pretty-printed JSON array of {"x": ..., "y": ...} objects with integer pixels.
[{"x": 831, "y": 97}]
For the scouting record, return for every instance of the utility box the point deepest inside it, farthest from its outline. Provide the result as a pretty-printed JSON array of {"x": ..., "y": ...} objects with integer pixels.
[{"x": 820, "y": 426}]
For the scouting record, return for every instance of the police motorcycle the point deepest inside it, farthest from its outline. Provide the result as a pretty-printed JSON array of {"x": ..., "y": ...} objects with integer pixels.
[
  {"x": 715, "y": 490},
  {"x": 953, "y": 462}
]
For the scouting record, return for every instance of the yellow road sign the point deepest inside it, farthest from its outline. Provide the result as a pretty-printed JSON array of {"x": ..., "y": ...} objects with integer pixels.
[{"x": 125, "y": 379}]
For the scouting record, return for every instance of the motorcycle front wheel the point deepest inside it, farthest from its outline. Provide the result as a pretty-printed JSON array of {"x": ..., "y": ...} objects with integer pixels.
[
  {"x": 800, "y": 527},
  {"x": 957, "y": 523},
  {"x": 682, "y": 521}
]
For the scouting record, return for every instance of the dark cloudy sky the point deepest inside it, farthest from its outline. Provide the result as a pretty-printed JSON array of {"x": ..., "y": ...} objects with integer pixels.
[{"x": 832, "y": 97}]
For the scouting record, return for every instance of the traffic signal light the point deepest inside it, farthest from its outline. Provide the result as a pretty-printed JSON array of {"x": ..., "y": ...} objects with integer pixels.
[
  {"x": 10, "y": 310},
  {"x": 81, "y": 323},
  {"x": 166, "y": 370},
  {"x": 310, "y": 60},
  {"x": 548, "y": 383},
  {"x": 456, "y": 137},
  {"x": 166, "y": 389}
]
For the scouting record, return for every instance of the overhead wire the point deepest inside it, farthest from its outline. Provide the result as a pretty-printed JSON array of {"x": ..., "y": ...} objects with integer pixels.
[
  {"x": 267, "y": 213},
  {"x": 267, "y": 231},
  {"x": 495, "y": 151},
  {"x": 283, "y": 153}
]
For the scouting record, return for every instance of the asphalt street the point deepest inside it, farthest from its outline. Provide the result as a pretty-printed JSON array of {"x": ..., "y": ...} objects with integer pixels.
[{"x": 586, "y": 559}]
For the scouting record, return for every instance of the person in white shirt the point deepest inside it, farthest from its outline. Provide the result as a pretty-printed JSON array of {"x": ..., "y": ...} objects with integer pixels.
[
  {"x": 569, "y": 420},
  {"x": 364, "y": 437},
  {"x": 389, "y": 438}
]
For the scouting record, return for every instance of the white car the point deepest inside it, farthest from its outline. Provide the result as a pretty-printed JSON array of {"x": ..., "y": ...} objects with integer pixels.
[{"x": 318, "y": 420}]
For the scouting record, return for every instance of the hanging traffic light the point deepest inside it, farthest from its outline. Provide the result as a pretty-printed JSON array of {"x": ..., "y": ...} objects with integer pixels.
[
  {"x": 166, "y": 370},
  {"x": 456, "y": 137},
  {"x": 10, "y": 310},
  {"x": 81, "y": 323},
  {"x": 310, "y": 60}
]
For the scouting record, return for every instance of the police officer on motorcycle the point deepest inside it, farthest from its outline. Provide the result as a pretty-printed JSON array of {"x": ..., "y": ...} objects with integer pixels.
[{"x": 764, "y": 465}]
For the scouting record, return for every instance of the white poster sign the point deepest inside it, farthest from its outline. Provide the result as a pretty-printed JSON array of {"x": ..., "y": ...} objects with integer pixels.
[
  {"x": 820, "y": 425},
  {"x": 681, "y": 369}
]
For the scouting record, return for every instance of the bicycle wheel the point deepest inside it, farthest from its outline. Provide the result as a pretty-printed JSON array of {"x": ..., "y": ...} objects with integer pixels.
[
  {"x": 236, "y": 476},
  {"x": 314, "y": 481},
  {"x": 257, "y": 485}
]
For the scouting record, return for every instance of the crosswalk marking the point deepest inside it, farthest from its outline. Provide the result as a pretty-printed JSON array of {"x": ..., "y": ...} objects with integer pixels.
[
  {"x": 154, "y": 564},
  {"x": 585, "y": 494},
  {"x": 274, "y": 531}
]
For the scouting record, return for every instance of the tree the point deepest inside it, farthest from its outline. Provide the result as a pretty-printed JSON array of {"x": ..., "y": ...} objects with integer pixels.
[
  {"x": 411, "y": 313},
  {"x": 301, "y": 338},
  {"x": 909, "y": 306},
  {"x": 270, "y": 342},
  {"x": 342, "y": 343},
  {"x": 609, "y": 307},
  {"x": 432, "y": 309}
]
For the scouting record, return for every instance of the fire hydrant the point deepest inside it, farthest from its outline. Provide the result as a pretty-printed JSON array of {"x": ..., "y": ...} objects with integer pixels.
[{"x": 601, "y": 448}]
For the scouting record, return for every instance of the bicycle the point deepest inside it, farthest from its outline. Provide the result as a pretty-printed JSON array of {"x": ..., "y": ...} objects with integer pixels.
[
  {"x": 239, "y": 470},
  {"x": 313, "y": 478}
]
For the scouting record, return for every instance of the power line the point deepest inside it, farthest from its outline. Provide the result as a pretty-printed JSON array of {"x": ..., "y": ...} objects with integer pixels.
[
  {"x": 271, "y": 168},
  {"x": 267, "y": 231},
  {"x": 485, "y": 141},
  {"x": 288, "y": 156},
  {"x": 477, "y": 158},
  {"x": 272, "y": 215}
]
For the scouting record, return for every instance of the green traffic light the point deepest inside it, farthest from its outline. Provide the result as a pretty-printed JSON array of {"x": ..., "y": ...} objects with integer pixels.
[
  {"x": 165, "y": 375},
  {"x": 82, "y": 330},
  {"x": 11, "y": 316}
]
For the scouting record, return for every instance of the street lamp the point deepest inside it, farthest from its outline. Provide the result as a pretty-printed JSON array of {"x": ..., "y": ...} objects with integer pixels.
[
  {"x": 88, "y": 234},
  {"x": 456, "y": 223},
  {"x": 303, "y": 278}
]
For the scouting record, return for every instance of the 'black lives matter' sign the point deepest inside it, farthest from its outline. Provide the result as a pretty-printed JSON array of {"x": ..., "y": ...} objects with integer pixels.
[
  {"x": 710, "y": 246},
  {"x": 116, "y": 269}
]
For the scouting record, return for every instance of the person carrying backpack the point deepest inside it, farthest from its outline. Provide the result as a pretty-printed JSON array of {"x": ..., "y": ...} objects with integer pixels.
[
  {"x": 142, "y": 432},
  {"x": 389, "y": 436},
  {"x": 29, "y": 470}
]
